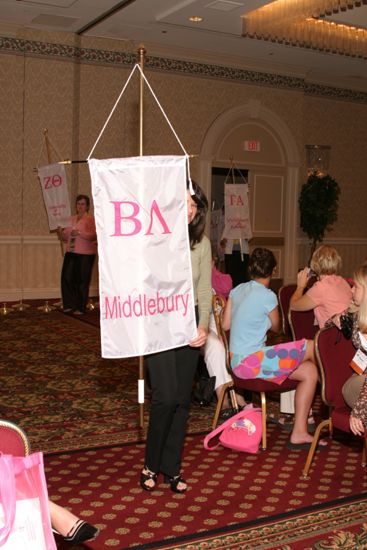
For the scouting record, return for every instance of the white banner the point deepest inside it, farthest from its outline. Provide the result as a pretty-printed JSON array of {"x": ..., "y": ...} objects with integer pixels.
[
  {"x": 55, "y": 194},
  {"x": 236, "y": 212},
  {"x": 145, "y": 280}
]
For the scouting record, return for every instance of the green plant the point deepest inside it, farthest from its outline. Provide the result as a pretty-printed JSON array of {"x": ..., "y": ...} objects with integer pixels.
[{"x": 318, "y": 203}]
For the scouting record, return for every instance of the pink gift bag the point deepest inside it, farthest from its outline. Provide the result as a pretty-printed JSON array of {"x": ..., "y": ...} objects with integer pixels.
[{"x": 24, "y": 513}]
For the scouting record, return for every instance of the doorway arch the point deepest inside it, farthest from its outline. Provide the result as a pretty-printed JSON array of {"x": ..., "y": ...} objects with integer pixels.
[{"x": 253, "y": 112}]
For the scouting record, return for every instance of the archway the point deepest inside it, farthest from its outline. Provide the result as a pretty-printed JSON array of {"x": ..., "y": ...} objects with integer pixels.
[{"x": 254, "y": 114}]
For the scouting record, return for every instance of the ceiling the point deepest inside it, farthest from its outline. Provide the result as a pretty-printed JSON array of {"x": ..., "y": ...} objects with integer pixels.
[{"x": 164, "y": 28}]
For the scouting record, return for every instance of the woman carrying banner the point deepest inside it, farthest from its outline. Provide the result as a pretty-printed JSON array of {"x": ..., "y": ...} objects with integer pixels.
[
  {"x": 172, "y": 372},
  {"x": 81, "y": 247}
]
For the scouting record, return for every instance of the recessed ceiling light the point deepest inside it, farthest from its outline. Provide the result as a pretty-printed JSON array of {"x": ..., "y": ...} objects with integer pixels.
[{"x": 195, "y": 19}]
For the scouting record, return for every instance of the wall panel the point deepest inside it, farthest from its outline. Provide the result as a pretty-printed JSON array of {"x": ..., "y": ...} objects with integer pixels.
[{"x": 31, "y": 268}]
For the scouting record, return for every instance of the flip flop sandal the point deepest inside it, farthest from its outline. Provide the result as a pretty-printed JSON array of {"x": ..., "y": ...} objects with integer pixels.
[
  {"x": 306, "y": 446},
  {"x": 281, "y": 421},
  {"x": 288, "y": 426}
]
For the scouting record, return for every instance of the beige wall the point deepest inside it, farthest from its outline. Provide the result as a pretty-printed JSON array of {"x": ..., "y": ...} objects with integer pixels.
[{"x": 50, "y": 87}]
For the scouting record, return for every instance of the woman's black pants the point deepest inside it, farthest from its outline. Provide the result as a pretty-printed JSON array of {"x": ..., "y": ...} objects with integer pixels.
[
  {"x": 75, "y": 278},
  {"x": 171, "y": 376}
]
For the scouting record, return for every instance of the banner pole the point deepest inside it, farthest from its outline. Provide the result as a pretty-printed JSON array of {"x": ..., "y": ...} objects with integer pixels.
[
  {"x": 48, "y": 147},
  {"x": 142, "y": 53},
  {"x": 46, "y": 308},
  {"x": 20, "y": 306}
]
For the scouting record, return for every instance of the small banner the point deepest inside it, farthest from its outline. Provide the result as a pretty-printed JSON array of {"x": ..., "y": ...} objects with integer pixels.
[
  {"x": 55, "y": 194},
  {"x": 236, "y": 212},
  {"x": 145, "y": 280}
]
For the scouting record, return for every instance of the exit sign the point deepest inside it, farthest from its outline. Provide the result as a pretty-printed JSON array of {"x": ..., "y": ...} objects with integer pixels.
[{"x": 252, "y": 145}]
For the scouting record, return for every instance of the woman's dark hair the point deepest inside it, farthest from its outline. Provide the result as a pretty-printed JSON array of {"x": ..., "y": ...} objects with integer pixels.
[
  {"x": 262, "y": 263},
  {"x": 197, "y": 226},
  {"x": 85, "y": 197}
]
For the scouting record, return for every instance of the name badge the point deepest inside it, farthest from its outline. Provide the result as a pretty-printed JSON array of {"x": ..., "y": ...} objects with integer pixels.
[{"x": 359, "y": 362}]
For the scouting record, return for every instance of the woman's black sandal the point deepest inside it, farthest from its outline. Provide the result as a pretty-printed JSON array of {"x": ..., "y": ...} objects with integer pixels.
[
  {"x": 80, "y": 532},
  {"x": 144, "y": 477},
  {"x": 174, "y": 482}
]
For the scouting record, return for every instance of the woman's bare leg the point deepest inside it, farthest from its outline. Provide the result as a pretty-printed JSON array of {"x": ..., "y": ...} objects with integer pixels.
[
  {"x": 306, "y": 375},
  {"x": 61, "y": 519}
]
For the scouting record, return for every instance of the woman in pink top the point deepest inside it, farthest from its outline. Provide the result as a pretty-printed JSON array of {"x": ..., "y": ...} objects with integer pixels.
[
  {"x": 330, "y": 295},
  {"x": 81, "y": 247}
]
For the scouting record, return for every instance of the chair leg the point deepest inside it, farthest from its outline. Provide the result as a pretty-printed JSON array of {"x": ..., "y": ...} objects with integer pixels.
[
  {"x": 311, "y": 452},
  {"x": 232, "y": 395},
  {"x": 226, "y": 387},
  {"x": 263, "y": 416}
]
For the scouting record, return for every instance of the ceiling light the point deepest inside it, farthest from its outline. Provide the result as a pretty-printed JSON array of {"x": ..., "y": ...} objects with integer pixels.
[
  {"x": 298, "y": 24},
  {"x": 196, "y": 19}
]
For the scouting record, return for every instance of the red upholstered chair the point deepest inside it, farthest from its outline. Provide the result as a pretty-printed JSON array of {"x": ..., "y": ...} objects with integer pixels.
[
  {"x": 302, "y": 324},
  {"x": 255, "y": 385},
  {"x": 296, "y": 324},
  {"x": 284, "y": 296},
  {"x": 13, "y": 441},
  {"x": 333, "y": 354}
]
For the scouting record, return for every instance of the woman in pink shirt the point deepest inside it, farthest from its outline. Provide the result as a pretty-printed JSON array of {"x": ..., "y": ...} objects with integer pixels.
[
  {"x": 81, "y": 247},
  {"x": 330, "y": 295}
]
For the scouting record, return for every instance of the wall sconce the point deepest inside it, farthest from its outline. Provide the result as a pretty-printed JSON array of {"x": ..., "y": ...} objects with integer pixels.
[{"x": 317, "y": 159}]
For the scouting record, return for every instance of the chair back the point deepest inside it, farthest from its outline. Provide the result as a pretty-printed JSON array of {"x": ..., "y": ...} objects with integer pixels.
[
  {"x": 284, "y": 296},
  {"x": 333, "y": 354},
  {"x": 302, "y": 324},
  {"x": 13, "y": 440},
  {"x": 218, "y": 305}
]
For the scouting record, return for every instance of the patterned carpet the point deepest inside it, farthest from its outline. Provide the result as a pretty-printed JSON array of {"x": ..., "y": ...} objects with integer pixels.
[
  {"x": 82, "y": 410},
  {"x": 56, "y": 386},
  {"x": 235, "y": 500}
]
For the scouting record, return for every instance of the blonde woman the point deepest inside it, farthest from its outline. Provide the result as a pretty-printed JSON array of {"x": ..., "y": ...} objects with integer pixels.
[{"x": 331, "y": 294}]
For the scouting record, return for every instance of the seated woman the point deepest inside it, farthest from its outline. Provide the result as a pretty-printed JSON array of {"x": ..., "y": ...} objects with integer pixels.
[
  {"x": 251, "y": 310},
  {"x": 330, "y": 295},
  {"x": 355, "y": 388}
]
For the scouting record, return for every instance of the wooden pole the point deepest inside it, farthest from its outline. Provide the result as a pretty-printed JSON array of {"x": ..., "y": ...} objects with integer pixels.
[
  {"x": 48, "y": 145},
  {"x": 142, "y": 52}
]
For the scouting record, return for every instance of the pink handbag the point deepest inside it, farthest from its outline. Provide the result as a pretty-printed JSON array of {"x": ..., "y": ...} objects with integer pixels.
[
  {"x": 24, "y": 512},
  {"x": 241, "y": 432}
]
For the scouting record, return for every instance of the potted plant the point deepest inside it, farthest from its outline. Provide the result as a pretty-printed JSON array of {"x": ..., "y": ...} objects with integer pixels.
[{"x": 318, "y": 203}]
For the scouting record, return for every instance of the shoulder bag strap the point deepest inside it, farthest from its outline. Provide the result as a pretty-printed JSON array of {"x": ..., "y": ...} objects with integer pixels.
[{"x": 220, "y": 428}]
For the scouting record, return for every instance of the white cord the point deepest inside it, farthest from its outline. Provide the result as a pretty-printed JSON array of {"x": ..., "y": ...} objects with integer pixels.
[
  {"x": 113, "y": 110},
  {"x": 162, "y": 111}
]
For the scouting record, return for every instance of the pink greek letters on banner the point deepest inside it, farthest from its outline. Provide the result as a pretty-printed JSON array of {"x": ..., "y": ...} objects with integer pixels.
[
  {"x": 55, "y": 194},
  {"x": 145, "y": 278}
]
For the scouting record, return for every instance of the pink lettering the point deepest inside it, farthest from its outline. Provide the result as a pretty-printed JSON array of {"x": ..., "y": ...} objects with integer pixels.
[
  {"x": 132, "y": 217},
  {"x": 235, "y": 200},
  {"x": 56, "y": 180},
  {"x": 154, "y": 209}
]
